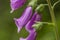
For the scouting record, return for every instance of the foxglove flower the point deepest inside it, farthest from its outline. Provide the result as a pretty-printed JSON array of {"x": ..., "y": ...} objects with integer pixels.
[
  {"x": 15, "y": 4},
  {"x": 36, "y": 17},
  {"x": 31, "y": 36},
  {"x": 20, "y": 22},
  {"x": 30, "y": 29}
]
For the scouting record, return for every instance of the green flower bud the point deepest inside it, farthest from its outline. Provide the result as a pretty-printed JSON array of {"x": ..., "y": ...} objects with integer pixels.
[
  {"x": 37, "y": 26},
  {"x": 33, "y": 3}
]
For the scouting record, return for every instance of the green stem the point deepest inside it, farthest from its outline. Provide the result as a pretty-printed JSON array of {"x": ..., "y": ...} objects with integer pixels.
[
  {"x": 53, "y": 19},
  {"x": 41, "y": 6},
  {"x": 45, "y": 23},
  {"x": 55, "y": 4}
]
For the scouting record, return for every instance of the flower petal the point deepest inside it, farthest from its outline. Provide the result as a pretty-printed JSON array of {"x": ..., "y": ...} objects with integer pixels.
[
  {"x": 20, "y": 22},
  {"x": 15, "y": 4},
  {"x": 36, "y": 17},
  {"x": 30, "y": 29},
  {"x": 31, "y": 36}
]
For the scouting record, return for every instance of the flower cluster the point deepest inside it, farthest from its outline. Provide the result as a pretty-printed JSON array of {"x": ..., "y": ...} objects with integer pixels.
[{"x": 27, "y": 19}]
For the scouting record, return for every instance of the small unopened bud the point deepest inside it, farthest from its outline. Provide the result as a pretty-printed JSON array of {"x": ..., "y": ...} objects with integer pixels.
[
  {"x": 37, "y": 26},
  {"x": 33, "y": 3}
]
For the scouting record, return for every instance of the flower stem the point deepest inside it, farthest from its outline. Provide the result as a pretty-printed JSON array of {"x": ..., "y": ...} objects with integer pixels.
[
  {"x": 55, "y": 4},
  {"x": 53, "y": 19},
  {"x": 41, "y": 7},
  {"x": 45, "y": 23}
]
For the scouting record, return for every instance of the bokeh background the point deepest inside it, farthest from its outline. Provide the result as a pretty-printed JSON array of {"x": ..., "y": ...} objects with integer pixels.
[{"x": 8, "y": 29}]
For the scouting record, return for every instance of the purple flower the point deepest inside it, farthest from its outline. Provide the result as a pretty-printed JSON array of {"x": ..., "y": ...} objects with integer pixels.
[
  {"x": 20, "y": 22},
  {"x": 15, "y": 4},
  {"x": 31, "y": 36},
  {"x": 36, "y": 17},
  {"x": 30, "y": 29}
]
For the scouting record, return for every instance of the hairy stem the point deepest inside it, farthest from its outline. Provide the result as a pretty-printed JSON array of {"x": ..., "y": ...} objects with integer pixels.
[{"x": 53, "y": 19}]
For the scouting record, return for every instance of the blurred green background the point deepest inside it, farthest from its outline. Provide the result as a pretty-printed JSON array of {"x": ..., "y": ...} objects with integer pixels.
[{"x": 8, "y": 29}]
